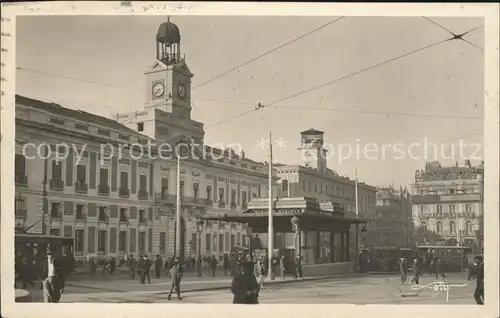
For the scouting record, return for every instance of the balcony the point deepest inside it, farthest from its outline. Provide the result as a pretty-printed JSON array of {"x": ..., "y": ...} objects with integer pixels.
[
  {"x": 56, "y": 185},
  {"x": 80, "y": 216},
  {"x": 165, "y": 197},
  {"x": 124, "y": 193},
  {"x": 143, "y": 221},
  {"x": 124, "y": 219},
  {"x": 244, "y": 205},
  {"x": 233, "y": 205},
  {"x": 55, "y": 215},
  {"x": 21, "y": 180},
  {"x": 103, "y": 217},
  {"x": 21, "y": 213},
  {"x": 222, "y": 204},
  {"x": 103, "y": 190},
  {"x": 81, "y": 187},
  {"x": 143, "y": 195}
]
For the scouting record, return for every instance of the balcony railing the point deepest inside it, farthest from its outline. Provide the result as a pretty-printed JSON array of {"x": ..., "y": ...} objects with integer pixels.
[
  {"x": 21, "y": 213},
  {"x": 222, "y": 204},
  {"x": 103, "y": 190},
  {"x": 124, "y": 193},
  {"x": 103, "y": 217},
  {"x": 244, "y": 205},
  {"x": 81, "y": 187},
  {"x": 233, "y": 205},
  {"x": 143, "y": 221},
  {"x": 57, "y": 185},
  {"x": 80, "y": 216},
  {"x": 124, "y": 219},
  {"x": 55, "y": 215},
  {"x": 21, "y": 180},
  {"x": 165, "y": 197},
  {"x": 143, "y": 195}
]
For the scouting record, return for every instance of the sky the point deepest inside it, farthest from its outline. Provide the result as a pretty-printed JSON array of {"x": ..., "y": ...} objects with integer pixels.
[{"x": 434, "y": 96}]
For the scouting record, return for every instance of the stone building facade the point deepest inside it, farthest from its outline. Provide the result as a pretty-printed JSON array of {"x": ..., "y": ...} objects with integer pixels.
[
  {"x": 447, "y": 205},
  {"x": 113, "y": 189},
  {"x": 393, "y": 225}
]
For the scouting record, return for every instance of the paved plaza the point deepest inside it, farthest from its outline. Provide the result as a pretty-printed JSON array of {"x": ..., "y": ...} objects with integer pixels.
[{"x": 362, "y": 289}]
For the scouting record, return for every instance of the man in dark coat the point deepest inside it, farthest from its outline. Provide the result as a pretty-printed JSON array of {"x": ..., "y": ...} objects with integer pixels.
[
  {"x": 244, "y": 286},
  {"x": 158, "y": 265},
  {"x": 145, "y": 270},
  {"x": 225, "y": 264},
  {"x": 479, "y": 292},
  {"x": 417, "y": 271},
  {"x": 439, "y": 267},
  {"x": 403, "y": 270},
  {"x": 176, "y": 275}
]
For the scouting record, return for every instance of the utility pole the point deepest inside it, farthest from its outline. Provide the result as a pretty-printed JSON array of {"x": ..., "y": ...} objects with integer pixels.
[
  {"x": 357, "y": 215},
  {"x": 44, "y": 191},
  {"x": 178, "y": 247},
  {"x": 270, "y": 229}
]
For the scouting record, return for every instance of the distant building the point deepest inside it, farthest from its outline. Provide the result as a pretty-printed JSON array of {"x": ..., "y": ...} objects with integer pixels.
[
  {"x": 447, "y": 205},
  {"x": 393, "y": 225},
  {"x": 314, "y": 179}
]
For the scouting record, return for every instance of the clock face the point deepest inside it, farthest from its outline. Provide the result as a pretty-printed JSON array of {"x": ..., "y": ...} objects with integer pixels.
[
  {"x": 158, "y": 89},
  {"x": 181, "y": 90}
]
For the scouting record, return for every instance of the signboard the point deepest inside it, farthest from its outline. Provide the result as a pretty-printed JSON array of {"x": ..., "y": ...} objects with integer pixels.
[{"x": 462, "y": 197}]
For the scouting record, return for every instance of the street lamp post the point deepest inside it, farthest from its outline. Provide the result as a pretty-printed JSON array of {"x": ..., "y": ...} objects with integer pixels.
[
  {"x": 364, "y": 230},
  {"x": 199, "y": 229},
  {"x": 190, "y": 248},
  {"x": 249, "y": 235}
]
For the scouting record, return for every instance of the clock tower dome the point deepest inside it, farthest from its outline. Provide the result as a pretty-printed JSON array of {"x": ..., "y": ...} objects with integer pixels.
[{"x": 168, "y": 80}]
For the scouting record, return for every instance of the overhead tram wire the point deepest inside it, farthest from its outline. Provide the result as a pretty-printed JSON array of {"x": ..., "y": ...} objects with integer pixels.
[
  {"x": 329, "y": 83},
  {"x": 455, "y": 37},
  {"x": 253, "y": 104},
  {"x": 267, "y": 53},
  {"x": 343, "y": 110}
]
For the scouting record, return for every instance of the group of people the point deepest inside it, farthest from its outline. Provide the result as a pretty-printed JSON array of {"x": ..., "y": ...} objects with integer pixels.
[
  {"x": 437, "y": 269},
  {"x": 53, "y": 270}
]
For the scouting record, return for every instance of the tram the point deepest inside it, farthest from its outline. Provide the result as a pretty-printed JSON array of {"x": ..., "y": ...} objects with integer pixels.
[
  {"x": 454, "y": 258},
  {"x": 386, "y": 259}
]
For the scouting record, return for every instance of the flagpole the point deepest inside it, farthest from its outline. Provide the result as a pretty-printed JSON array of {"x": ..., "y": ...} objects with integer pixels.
[
  {"x": 178, "y": 248},
  {"x": 270, "y": 230}
]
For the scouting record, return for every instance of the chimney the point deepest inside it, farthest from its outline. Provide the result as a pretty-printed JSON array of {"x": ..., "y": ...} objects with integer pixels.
[{"x": 242, "y": 154}]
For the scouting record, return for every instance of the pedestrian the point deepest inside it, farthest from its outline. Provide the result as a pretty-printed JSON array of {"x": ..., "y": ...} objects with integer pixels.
[
  {"x": 132, "y": 267},
  {"x": 225, "y": 264},
  {"x": 403, "y": 270},
  {"x": 439, "y": 268},
  {"x": 145, "y": 270},
  {"x": 158, "y": 265},
  {"x": 244, "y": 286},
  {"x": 282, "y": 267},
  {"x": 298, "y": 268},
  {"x": 176, "y": 275},
  {"x": 417, "y": 271},
  {"x": 52, "y": 284},
  {"x": 107, "y": 266},
  {"x": 258, "y": 271},
  {"x": 479, "y": 291},
  {"x": 213, "y": 265},
  {"x": 92, "y": 266}
]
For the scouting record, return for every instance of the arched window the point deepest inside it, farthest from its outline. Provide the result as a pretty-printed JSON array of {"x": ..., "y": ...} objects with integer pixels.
[
  {"x": 453, "y": 228},
  {"x": 284, "y": 185},
  {"x": 469, "y": 227},
  {"x": 423, "y": 227},
  {"x": 439, "y": 227}
]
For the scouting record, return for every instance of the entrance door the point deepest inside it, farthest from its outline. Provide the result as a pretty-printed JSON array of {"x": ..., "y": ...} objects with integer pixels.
[{"x": 289, "y": 254}]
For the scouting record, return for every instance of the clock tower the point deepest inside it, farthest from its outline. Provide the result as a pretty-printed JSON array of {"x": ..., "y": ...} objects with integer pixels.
[
  {"x": 313, "y": 153},
  {"x": 168, "y": 80}
]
